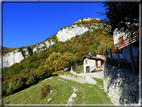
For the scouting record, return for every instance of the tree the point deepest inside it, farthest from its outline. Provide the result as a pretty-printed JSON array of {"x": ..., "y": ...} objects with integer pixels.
[
  {"x": 51, "y": 60},
  {"x": 61, "y": 63},
  {"x": 101, "y": 48},
  {"x": 119, "y": 13},
  {"x": 71, "y": 57}
]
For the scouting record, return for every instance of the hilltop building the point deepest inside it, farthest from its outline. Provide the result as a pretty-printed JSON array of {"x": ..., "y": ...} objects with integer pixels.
[{"x": 92, "y": 63}]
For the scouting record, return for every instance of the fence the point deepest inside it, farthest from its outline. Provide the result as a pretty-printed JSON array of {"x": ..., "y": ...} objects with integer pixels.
[
  {"x": 124, "y": 43},
  {"x": 118, "y": 47}
]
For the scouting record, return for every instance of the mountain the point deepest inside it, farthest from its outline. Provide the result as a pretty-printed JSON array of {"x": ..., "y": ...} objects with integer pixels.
[
  {"x": 27, "y": 65},
  {"x": 15, "y": 55}
]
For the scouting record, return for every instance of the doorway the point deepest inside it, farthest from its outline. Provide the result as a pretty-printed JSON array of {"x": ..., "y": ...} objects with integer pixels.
[{"x": 87, "y": 69}]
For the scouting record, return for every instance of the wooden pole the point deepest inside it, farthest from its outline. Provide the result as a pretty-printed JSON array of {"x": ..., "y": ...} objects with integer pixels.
[
  {"x": 118, "y": 57},
  {"x": 132, "y": 59},
  {"x": 111, "y": 55}
]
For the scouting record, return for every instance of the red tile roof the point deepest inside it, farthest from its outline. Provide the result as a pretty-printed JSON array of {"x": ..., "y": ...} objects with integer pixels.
[{"x": 92, "y": 57}]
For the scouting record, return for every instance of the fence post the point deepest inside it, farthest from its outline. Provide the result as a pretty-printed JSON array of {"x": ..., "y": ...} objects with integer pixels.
[
  {"x": 132, "y": 59},
  {"x": 106, "y": 54},
  {"x": 118, "y": 57},
  {"x": 111, "y": 55}
]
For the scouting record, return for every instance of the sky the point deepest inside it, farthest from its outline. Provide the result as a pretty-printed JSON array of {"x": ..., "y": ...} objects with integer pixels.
[{"x": 25, "y": 24}]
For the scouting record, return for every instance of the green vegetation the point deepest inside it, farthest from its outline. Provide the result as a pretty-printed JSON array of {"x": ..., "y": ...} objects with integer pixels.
[
  {"x": 91, "y": 94},
  {"x": 56, "y": 73},
  {"x": 80, "y": 69},
  {"x": 68, "y": 73},
  {"x": 6, "y": 49},
  {"x": 62, "y": 54},
  {"x": 61, "y": 91},
  {"x": 44, "y": 91},
  {"x": 60, "y": 94}
]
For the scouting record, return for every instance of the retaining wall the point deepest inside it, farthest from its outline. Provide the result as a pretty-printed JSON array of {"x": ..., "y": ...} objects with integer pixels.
[{"x": 121, "y": 86}]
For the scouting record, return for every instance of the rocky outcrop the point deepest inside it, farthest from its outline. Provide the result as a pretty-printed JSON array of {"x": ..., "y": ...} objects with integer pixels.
[
  {"x": 85, "y": 19},
  {"x": 12, "y": 57},
  {"x": 42, "y": 46},
  {"x": 70, "y": 32}
]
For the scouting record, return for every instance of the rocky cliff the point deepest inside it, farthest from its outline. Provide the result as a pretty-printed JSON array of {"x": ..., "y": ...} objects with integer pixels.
[
  {"x": 70, "y": 32},
  {"x": 63, "y": 35}
]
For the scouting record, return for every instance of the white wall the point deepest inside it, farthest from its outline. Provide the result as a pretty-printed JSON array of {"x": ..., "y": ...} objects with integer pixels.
[
  {"x": 99, "y": 63},
  {"x": 100, "y": 56},
  {"x": 117, "y": 34},
  {"x": 92, "y": 64}
]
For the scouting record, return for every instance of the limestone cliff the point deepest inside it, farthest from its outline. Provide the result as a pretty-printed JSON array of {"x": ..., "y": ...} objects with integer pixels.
[
  {"x": 63, "y": 35},
  {"x": 70, "y": 32}
]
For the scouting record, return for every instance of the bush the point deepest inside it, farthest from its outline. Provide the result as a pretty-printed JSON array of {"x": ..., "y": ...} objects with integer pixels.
[
  {"x": 43, "y": 71},
  {"x": 44, "y": 91},
  {"x": 15, "y": 85},
  {"x": 31, "y": 80}
]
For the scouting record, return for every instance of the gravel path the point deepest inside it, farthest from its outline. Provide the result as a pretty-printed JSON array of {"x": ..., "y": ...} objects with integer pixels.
[
  {"x": 99, "y": 75},
  {"x": 80, "y": 79}
]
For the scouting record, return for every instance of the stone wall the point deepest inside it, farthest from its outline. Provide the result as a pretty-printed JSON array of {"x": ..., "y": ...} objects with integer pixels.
[
  {"x": 121, "y": 85},
  {"x": 80, "y": 79}
]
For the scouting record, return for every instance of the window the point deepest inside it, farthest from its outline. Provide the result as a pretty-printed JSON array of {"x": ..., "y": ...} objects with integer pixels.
[{"x": 85, "y": 61}]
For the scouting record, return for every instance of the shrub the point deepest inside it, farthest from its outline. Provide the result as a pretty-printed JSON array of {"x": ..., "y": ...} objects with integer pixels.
[
  {"x": 44, "y": 91},
  {"x": 31, "y": 80},
  {"x": 15, "y": 85},
  {"x": 43, "y": 71}
]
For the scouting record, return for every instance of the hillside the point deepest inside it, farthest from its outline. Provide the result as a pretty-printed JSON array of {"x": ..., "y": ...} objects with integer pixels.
[
  {"x": 5, "y": 49},
  {"x": 28, "y": 65},
  {"x": 61, "y": 92}
]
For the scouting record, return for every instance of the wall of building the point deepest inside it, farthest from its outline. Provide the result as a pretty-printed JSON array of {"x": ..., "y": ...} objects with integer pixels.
[
  {"x": 121, "y": 85},
  {"x": 117, "y": 34},
  {"x": 84, "y": 63},
  {"x": 100, "y": 56},
  {"x": 92, "y": 64}
]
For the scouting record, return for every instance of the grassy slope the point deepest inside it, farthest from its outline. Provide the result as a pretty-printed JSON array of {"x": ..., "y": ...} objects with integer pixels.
[
  {"x": 60, "y": 94},
  {"x": 86, "y": 94},
  {"x": 5, "y": 49}
]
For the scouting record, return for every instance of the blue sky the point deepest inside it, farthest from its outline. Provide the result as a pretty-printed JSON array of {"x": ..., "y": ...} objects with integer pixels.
[{"x": 25, "y": 24}]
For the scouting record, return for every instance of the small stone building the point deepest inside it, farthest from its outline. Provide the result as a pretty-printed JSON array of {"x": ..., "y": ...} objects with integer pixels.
[{"x": 92, "y": 63}]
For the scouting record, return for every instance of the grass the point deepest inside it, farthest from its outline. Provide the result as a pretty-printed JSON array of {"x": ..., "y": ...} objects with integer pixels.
[
  {"x": 86, "y": 94},
  {"x": 68, "y": 73},
  {"x": 59, "y": 95},
  {"x": 80, "y": 69},
  {"x": 56, "y": 73}
]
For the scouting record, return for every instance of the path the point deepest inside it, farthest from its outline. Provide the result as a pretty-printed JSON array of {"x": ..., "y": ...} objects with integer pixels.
[{"x": 99, "y": 75}]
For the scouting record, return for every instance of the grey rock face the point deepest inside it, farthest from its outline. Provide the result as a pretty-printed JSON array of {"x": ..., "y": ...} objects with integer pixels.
[{"x": 123, "y": 85}]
